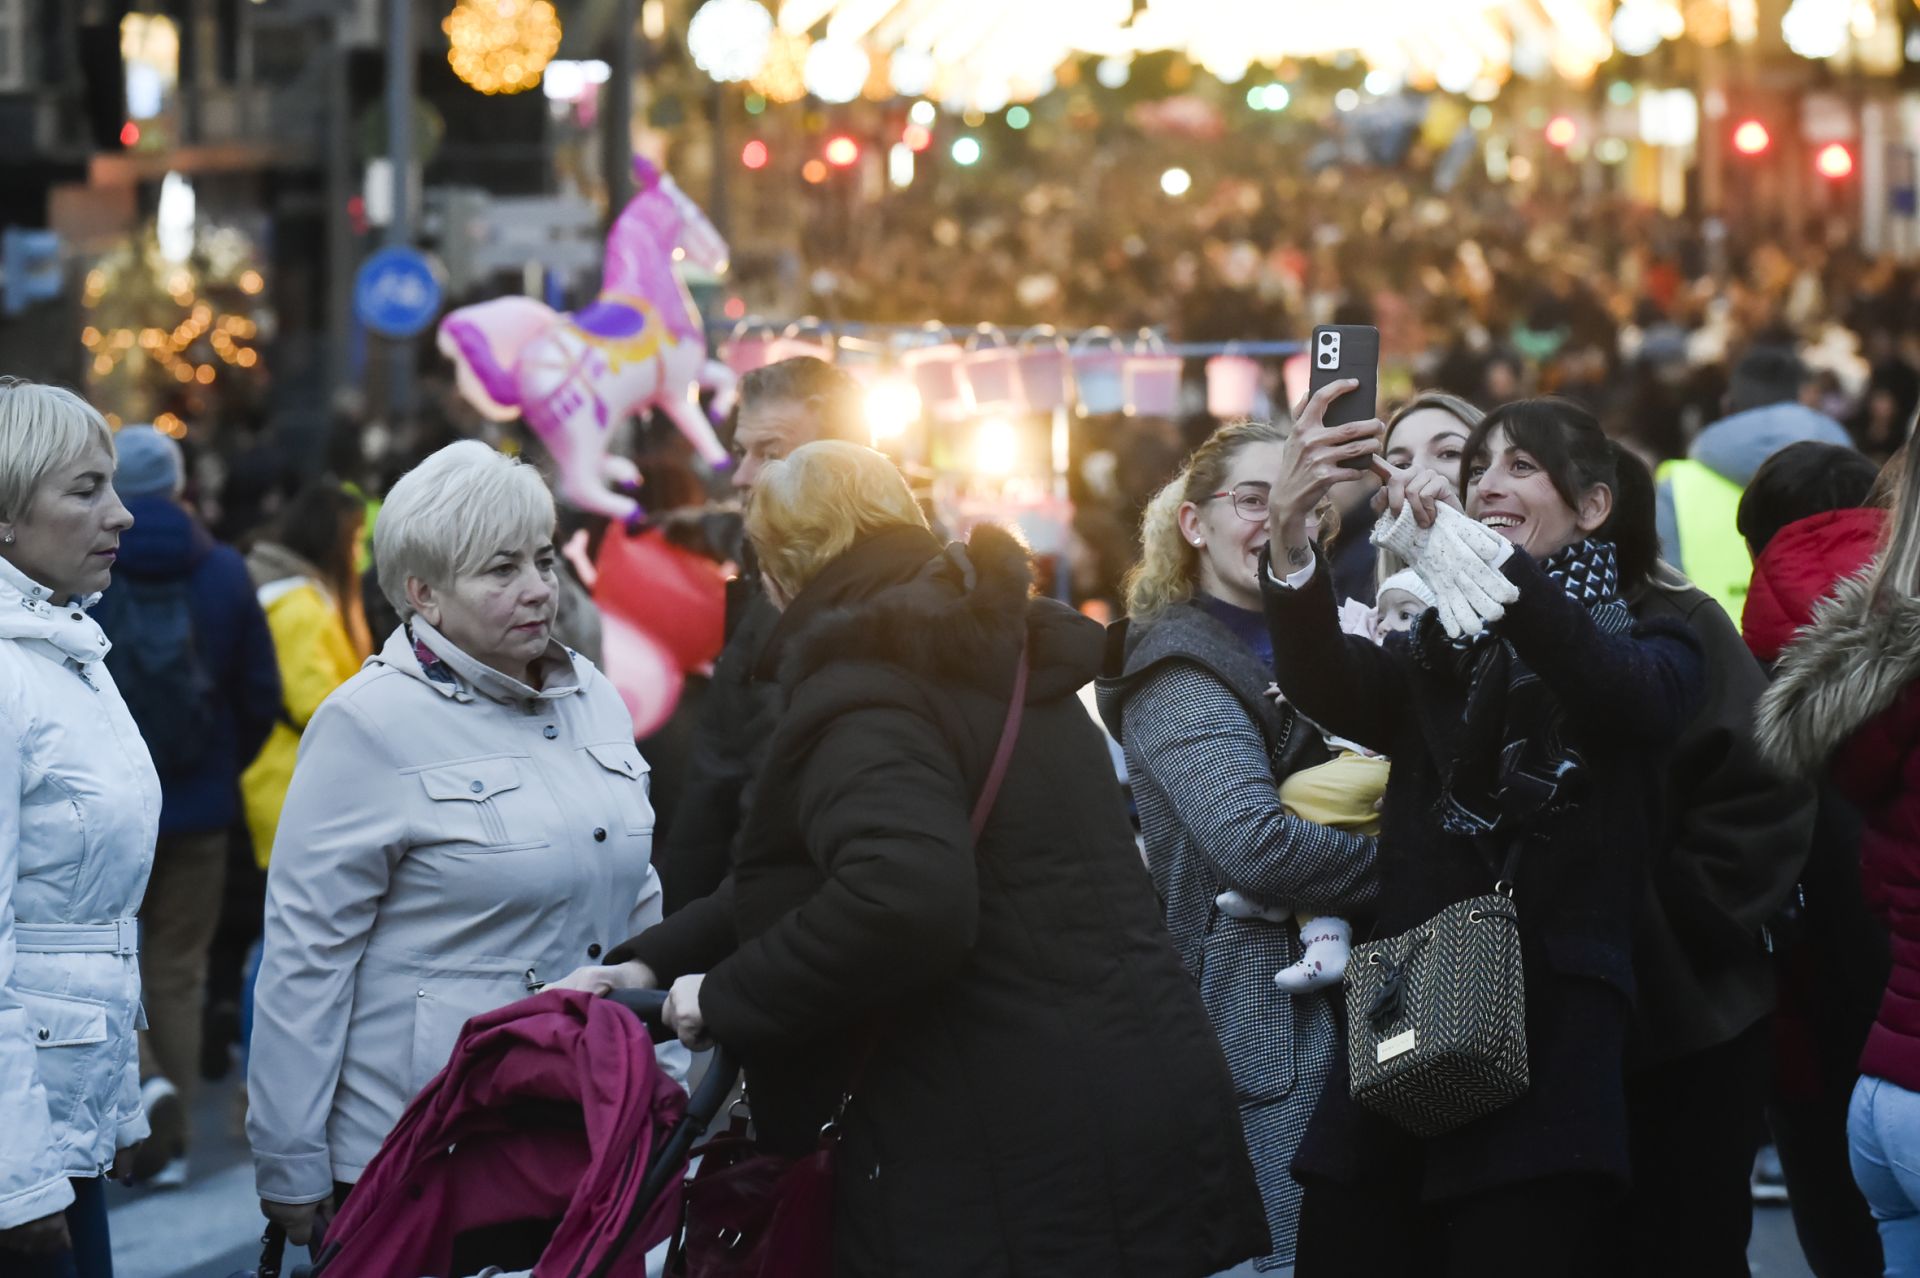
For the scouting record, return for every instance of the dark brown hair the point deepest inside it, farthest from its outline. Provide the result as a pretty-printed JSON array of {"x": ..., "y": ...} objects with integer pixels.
[
  {"x": 1565, "y": 439},
  {"x": 829, "y": 393}
]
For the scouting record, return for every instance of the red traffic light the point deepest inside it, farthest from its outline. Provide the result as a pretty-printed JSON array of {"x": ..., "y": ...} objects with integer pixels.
[
  {"x": 755, "y": 155},
  {"x": 1561, "y": 131},
  {"x": 129, "y": 134},
  {"x": 1751, "y": 138},
  {"x": 1834, "y": 161},
  {"x": 842, "y": 152}
]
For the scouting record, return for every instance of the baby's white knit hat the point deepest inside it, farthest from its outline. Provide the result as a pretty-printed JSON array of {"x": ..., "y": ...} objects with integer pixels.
[{"x": 1412, "y": 583}]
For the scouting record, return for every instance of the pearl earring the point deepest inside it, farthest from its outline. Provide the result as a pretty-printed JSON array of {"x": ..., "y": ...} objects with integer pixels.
[{"x": 9, "y": 539}]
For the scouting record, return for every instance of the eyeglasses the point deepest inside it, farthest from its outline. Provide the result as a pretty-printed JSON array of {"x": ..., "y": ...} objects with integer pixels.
[{"x": 1249, "y": 502}]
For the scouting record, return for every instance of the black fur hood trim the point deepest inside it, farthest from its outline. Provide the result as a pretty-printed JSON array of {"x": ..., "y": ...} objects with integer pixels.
[{"x": 953, "y": 614}]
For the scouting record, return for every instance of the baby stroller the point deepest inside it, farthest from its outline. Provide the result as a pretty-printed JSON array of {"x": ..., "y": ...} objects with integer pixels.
[{"x": 551, "y": 1142}]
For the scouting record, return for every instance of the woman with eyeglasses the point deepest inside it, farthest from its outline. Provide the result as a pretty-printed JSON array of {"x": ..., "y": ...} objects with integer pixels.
[{"x": 1208, "y": 745}]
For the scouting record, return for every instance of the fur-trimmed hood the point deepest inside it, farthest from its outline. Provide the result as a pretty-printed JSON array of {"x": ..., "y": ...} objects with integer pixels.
[
  {"x": 953, "y": 614},
  {"x": 1849, "y": 666}
]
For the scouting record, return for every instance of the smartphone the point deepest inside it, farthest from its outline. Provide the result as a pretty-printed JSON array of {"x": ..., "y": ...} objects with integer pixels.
[{"x": 1336, "y": 353}]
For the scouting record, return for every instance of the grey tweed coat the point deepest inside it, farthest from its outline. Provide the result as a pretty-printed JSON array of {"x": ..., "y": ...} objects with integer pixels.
[{"x": 1206, "y": 751}]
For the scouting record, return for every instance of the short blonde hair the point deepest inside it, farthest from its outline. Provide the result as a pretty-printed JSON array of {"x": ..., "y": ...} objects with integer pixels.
[
  {"x": 453, "y": 512},
  {"x": 809, "y": 507},
  {"x": 42, "y": 428}
]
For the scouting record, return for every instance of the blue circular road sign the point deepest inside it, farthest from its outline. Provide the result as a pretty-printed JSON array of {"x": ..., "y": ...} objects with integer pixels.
[{"x": 396, "y": 293}]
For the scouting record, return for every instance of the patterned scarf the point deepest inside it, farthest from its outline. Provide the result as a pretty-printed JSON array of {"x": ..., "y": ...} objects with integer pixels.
[{"x": 1513, "y": 766}]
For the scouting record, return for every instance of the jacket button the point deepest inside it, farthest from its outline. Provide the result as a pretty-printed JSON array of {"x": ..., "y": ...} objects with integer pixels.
[
  {"x": 45, "y": 1034},
  {"x": 600, "y": 834},
  {"x": 477, "y": 786},
  {"x": 593, "y": 951},
  {"x": 549, "y": 732}
]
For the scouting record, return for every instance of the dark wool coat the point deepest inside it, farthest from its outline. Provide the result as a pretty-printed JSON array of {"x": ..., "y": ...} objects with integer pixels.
[
  {"x": 1624, "y": 699},
  {"x": 729, "y": 741},
  {"x": 1044, "y": 1096},
  {"x": 1206, "y": 752},
  {"x": 232, "y": 641},
  {"x": 1737, "y": 835},
  {"x": 1846, "y": 700}
]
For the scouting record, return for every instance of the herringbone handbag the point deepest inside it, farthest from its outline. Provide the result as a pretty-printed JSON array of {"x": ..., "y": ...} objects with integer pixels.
[{"x": 1437, "y": 1018}]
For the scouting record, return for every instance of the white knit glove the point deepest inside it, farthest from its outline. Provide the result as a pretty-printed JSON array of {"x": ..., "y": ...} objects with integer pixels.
[{"x": 1459, "y": 560}]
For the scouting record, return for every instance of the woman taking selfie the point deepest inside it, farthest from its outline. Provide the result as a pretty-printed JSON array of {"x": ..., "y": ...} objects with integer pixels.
[
  {"x": 1535, "y": 748},
  {"x": 1208, "y": 750}
]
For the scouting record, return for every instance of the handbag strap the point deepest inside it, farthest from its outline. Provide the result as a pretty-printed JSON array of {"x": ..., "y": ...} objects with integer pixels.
[
  {"x": 1009, "y": 737},
  {"x": 982, "y": 809}
]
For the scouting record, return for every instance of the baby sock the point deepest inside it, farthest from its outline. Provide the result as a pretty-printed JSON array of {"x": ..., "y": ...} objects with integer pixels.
[
  {"x": 1328, "y": 941},
  {"x": 1237, "y": 906}
]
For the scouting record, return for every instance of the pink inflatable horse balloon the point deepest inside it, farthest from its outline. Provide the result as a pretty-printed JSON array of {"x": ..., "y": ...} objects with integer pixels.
[{"x": 639, "y": 344}]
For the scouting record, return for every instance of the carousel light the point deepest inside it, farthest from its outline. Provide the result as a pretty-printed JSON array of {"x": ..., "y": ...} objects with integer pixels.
[
  {"x": 251, "y": 283},
  {"x": 501, "y": 46},
  {"x": 1346, "y": 100},
  {"x": 1562, "y": 132},
  {"x": 730, "y": 39},
  {"x": 782, "y": 78},
  {"x": 893, "y": 405},
  {"x": 923, "y": 114},
  {"x": 1113, "y": 73},
  {"x": 1611, "y": 151},
  {"x": 996, "y": 447},
  {"x": 814, "y": 171},
  {"x": 912, "y": 72},
  {"x": 1817, "y": 28},
  {"x": 836, "y": 70},
  {"x": 1176, "y": 182}
]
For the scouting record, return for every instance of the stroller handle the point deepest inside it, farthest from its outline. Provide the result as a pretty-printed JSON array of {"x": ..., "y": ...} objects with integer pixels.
[{"x": 645, "y": 1004}]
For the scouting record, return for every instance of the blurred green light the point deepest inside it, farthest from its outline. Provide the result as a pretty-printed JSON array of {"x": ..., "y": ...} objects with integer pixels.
[
  {"x": 755, "y": 104},
  {"x": 1018, "y": 117},
  {"x": 1620, "y": 93}
]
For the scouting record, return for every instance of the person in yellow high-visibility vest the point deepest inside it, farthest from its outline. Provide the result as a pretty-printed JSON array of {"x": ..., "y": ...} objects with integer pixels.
[{"x": 1699, "y": 496}]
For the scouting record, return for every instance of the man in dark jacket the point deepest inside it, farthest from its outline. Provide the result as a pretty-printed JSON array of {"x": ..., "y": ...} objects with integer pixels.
[
  {"x": 782, "y": 406},
  {"x": 1700, "y": 1047},
  {"x": 194, "y": 660}
]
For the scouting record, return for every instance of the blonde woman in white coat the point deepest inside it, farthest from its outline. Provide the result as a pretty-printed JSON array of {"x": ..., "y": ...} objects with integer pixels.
[
  {"x": 468, "y": 819},
  {"x": 79, "y": 812}
]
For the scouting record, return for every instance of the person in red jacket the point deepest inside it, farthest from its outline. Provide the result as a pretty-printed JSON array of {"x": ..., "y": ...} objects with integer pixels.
[
  {"x": 1846, "y": 703},
  {"x": 1809, "y": 522}
]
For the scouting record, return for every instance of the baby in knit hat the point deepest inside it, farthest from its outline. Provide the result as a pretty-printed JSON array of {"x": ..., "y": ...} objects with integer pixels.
[{"x": 1343, "y": 793}]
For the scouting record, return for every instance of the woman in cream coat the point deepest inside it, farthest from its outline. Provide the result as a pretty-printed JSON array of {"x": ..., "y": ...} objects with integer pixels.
[
  {"x": 468, "y": 820},
  {"x": 79, "y": 810}
]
